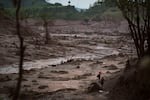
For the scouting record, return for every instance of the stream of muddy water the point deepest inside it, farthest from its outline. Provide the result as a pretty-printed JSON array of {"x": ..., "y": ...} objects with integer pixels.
[{"x": 38, "y": 64}]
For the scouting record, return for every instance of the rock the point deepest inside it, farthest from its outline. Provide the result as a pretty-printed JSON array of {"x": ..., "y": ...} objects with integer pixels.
[
  {"x": 43, "y": 87},
  {"x": 94, "y": 87}
]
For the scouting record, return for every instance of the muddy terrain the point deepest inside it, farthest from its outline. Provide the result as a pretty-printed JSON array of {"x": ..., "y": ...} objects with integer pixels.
[{"x": 64, "y": 68}]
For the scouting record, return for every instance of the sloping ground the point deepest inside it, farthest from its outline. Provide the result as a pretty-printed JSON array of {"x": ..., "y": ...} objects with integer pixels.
[{"x": 134, "y": 83}]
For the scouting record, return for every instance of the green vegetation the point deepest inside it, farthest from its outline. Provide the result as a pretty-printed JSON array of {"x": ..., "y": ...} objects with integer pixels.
[
  {"x": 1, "y": 98},
  {"x": 104, "y": 10},
  {"x": 55, "y": 12},
  {"x": 112, "y": 14},
  {"x": 35, "y": 8}
]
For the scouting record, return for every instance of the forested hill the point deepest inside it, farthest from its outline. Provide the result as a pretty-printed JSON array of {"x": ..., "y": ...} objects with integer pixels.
[
  {"x": 38, "y": 8},
  {"x": 104, "y": 10},
  {"x": 25, "y": 3}
]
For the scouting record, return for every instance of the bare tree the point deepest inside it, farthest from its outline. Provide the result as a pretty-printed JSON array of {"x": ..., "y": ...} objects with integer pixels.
[
  {"x": 137, "y": 13},
  {"x": 47, "y": 36},
  {"x": 17, "y": 4},
  {"x": 45, "y": 16}
]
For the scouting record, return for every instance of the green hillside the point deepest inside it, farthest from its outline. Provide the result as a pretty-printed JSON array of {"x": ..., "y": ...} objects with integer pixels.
[
  {"x": 38, "y": 8},
  {"x": 104, "y": 10},
  {"x": 25, "y": 3}
]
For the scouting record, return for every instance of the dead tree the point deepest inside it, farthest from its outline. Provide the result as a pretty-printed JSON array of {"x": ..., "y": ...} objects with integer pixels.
[
  {"x": 47, "y": 36},
  {"x": 137, "y": 13},
  {"x": 17, "y": 4}
]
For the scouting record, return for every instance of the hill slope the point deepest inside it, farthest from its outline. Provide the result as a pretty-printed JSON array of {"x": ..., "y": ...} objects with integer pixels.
[{"x": 25, "y": 3}]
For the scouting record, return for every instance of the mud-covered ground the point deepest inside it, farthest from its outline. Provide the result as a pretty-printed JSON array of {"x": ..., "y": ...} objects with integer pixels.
[{"x": 64, "y": 68}]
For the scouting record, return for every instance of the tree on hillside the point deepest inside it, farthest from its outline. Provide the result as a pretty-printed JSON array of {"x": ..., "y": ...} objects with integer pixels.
[
  {"x": 137, "y": 13},
  {"x": 47, "y": 36},
  {"x": 110, "y": 3},
  {"x": 45, "y": 16},
  {"x": 24, "y": 15},
  {"x": 69, "y": 2},
  {"x": 106, "y": 3},
  {"x": 1, "y": 6},
  {"x": 17, "y": 4},
  {"x": 58, "y": 4}
]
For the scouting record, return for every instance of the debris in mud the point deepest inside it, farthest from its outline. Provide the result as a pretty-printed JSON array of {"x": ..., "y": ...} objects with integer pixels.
[
  {"x": 121, "y": 62},
  {"x": 43, "y": 87},
  {"x": 84, "y": 76},
  {"x": 24, "y": 79},
  {"x": 35, "y": 83},
  {"x": 87, "y": 74},
  {"x": 59, "y": 72},
  {"x": 78, "y": 67},
  {"x": 5, "y": 78},
  {"x": 43, "y": 76},
  {"x": 108, "y": 72},
  {"x": 94, "y": 87},
  {"x": 98, "y": 62},
  {"x": 111, "y": 67},
  {"x": 121, "y": 54},
  {"x": 54, "y": 65},
  {"x": 27, "y": 86},
  {"x": 34, "y": 80}
]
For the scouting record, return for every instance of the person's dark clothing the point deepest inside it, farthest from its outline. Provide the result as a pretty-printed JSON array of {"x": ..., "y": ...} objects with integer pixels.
[
  {"x": 99, "y": 76},
  {"x": 102, "y": 81}
]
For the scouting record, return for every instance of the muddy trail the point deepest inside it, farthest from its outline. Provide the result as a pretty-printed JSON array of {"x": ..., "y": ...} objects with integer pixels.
[{"x": 64, "y": 69}]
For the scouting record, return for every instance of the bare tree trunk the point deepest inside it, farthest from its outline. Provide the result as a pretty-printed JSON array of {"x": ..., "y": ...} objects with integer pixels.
[
  {"x": 47, "y": 36},
  {"x": 22, "y": 49},
  {"x": 148, "y": 26},
  {"x": 136, "y": 12}
]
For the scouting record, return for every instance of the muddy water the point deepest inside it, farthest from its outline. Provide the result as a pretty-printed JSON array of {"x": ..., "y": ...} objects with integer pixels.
[{"x": 100, "y": 52}]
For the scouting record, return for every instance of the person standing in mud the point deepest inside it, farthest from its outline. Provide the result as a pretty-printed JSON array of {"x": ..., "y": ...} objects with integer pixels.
[
  {"x": 102, "y": 82},
  {"x": 99, "y": 75},
  {"x": 101, "y": 79}
]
